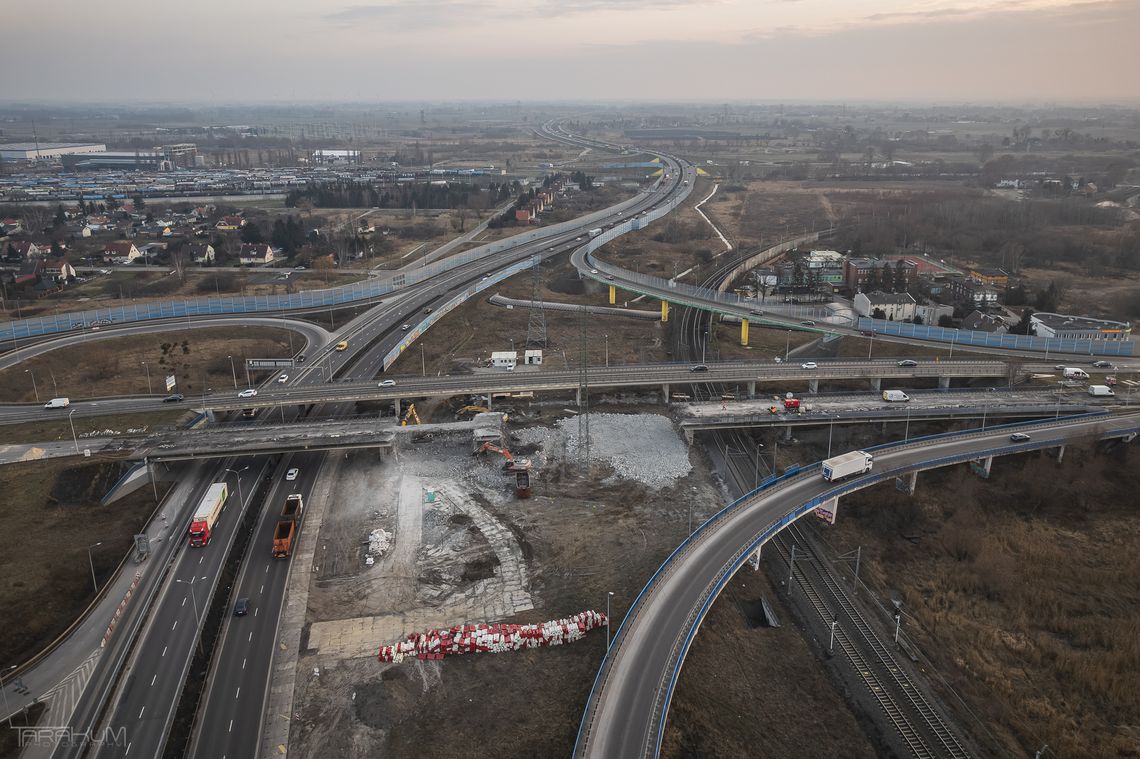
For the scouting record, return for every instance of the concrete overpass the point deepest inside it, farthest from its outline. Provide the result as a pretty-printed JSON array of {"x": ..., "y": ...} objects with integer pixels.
[{"x": 626, "y": 711}]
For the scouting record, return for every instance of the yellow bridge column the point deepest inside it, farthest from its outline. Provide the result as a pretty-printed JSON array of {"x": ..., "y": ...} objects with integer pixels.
[
  {"x": 744, "y": 332},
  {"x": 613, "y": 295},
  {"x": 664, "y": 310}
]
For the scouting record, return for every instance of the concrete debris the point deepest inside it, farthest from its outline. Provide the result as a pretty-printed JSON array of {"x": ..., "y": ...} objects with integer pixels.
[{"x": 379, "y": 541}]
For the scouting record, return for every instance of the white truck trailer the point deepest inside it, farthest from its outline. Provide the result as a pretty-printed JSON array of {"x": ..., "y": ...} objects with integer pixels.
[{"x": 847, "y": 464}]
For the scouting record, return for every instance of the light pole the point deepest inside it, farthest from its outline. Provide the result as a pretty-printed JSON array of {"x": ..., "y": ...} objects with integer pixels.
[
  {"x": 7, "y": 710},
  {"x": 609, "y": 596},
  {"x": 830, "y": 431},
  {"x": 871, "y": 345},
  {"x": 423, "y": 361},
  {"x": 952, "y": 341},
  {"x": 149, "y": 388},
  {"x": 91, "y": 562},
  {"x": 898, "y": 624},
  {"x": 233, "y": 371},
  {"x": 35, "y": 389},
  {"x": 704, "y": 345},
  {"x": 906, "y": 430},
  {"x": 787, "y": 345},
  {"x": 237, "y": 473},
  {"x": 74, "y": 438},
  {"x": 607, "y": 340},
  {"x": 194, "y": 604}
]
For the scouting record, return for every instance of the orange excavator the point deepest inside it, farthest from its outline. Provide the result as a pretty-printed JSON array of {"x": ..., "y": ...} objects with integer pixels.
[{"x": 519, "y": 467}]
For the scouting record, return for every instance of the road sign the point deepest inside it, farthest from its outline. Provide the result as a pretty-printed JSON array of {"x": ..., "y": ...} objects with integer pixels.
[
  {"x": 170, "y": 382},
  {"x": 269, "y": 363}
]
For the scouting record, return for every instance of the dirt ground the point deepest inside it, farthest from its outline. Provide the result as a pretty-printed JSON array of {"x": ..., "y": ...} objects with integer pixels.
[
  {"x": 1024, "y": 590},
  {"x": 579, "y": 537},
  {"x": 110, "y": 367},
  {"x": 1107, "y": 297},
  {"x": 51, "y": 515}
]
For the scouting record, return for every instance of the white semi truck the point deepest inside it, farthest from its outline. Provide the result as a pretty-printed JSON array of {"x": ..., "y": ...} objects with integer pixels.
[{"x": 847, "y": 464}]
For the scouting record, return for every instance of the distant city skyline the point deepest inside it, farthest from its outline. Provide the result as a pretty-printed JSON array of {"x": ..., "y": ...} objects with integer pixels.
[{"x": 376, "y": 50}]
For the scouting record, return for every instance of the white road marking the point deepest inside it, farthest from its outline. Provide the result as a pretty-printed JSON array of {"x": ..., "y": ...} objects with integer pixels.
[
  {"x": 174, "y": 625},
  {"x": 262, "y": 586},
  {"x": 141, "y": 712},
  {"x": 238, "y": 692},
  {"x": 200, "y": 559},
  {"x": 153, "y": 679},
  {"x": 250, "y": 639},
  {"x": 255, "y": 612},
  {"x": 128, "y": 748},
  {"x": 183, "y": 601},
  {"x": 231, "y": 728},
  {"x": 164, "y": 650},
  {"x": 243, "y": 663}
]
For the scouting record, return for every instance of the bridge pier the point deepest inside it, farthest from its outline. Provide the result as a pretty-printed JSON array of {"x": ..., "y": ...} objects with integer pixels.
[
  {"x": 613, "y": 295},
  {"x": 1060, "y": 454},
  {"x": 907, "y": 483},
  {"x": 399, "y": 409},
  {"x": 828, "y": 510},
  {"x": 981, "y": 467},
  {"x": 877, "y": 384},
  {"x": 752, "y": 390},
  {"x": 754, "y": 559},
  {"x": 665, "y": 393},
  {"x": 943, "y": 383},
  {"x": 813, "y": 386},
  {"x": 664, "y": 310},
  {"x": 744, "y": 332},
  {"x": 788, "y": 432}
]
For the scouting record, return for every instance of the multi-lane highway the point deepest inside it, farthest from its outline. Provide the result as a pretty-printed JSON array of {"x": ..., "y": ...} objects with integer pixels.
[{"x": 625, "y": 714}]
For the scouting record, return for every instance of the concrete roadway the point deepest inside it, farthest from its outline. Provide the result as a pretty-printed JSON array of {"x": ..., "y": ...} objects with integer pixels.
[
  {"x": 626, "y": 710},
  {"x": 522, "y": 379}
]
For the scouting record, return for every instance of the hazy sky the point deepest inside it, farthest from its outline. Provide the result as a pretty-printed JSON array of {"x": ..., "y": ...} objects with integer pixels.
[{"x": 849, "y": 50}]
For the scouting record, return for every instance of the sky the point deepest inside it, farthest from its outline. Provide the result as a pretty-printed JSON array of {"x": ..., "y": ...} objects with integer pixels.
[{"x": 1013, "y": 51}]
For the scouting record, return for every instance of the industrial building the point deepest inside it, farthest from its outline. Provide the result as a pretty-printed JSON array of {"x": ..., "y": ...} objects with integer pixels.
[
  {"x": 39, "y": 151},
  {"x": 1078, "y": 327}
]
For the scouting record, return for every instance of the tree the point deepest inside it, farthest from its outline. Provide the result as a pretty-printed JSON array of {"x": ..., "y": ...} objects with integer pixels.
[
  {"x": 878, "y": 313},
  {"x": 60, "y": 216},
  {"x": 946, "y": 321},
  {"x": 251, "y": 233},
  {"x": 900, "y": 276},
  {"x": 140, "y": 204},
  {"x": 1016, "y": 296},
  {"x": 917, "y": 319},
  {"x": 1023, "y": 327},
  {"x": 1050, "y": 298}
]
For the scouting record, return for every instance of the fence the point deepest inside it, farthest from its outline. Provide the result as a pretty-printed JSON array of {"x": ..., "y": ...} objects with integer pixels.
[{"x": 1020, "y": 342}]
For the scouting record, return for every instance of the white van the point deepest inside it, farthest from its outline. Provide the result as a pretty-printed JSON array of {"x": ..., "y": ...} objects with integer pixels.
[
  {"x": 58, "y": 403},
  {"x": 1100, "y": 391},
  {"x": 894, "y": 396},
  {"x": 1072, "y": 372}
]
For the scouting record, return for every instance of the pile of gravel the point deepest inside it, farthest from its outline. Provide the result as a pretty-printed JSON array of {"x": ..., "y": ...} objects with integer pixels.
[{"x": 641, "y": 447}]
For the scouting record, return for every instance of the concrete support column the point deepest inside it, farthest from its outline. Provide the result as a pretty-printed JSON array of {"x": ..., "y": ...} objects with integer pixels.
[
  {"x": 877, "y": 384},
  {"x": 665, "y": 393},
  {"x": 664, "y": 310},
  {"x": 398, "y": 408},
  {"x": 788, "y": 432},
  {"x": 613, "y": 295},
  {"x": 744, "y": 332},
  {"x": 751, "y": 389},
  {"x": 754, "y": 559},
  {"x": 828, "y": 510},
  {"x": 943, "y": 383},
  {"x": 813, "y": 386},
  {"x": 1060, "y": 454},
  {"x": 981, "y": 467},
  {"x": 907, "y": 483}
]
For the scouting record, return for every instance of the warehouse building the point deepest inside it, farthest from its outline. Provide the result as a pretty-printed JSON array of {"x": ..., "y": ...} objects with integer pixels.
[
  {"x": 1078, "y": 327},
  {"x": 39, "y": 151}
]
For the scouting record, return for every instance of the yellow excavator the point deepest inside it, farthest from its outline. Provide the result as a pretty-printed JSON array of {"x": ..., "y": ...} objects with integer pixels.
[
  {"x": 410, "y": 416},
  {"x": 472, "y": 410}
]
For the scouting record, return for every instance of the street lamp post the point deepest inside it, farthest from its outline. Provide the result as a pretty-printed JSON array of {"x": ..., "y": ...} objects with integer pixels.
[
  {"x": 233, "y": 371},
  {"x": 906, "y": 430},
  {"x": 607, "y": 340},
  {"x": 871, "y": 345},
  {"x": 35, "y": 389},
  {"x": 787, "y": 345},
  {"x": 830, "y": 432},
  {"x": 91, "y": 562},
  {"x": 237, "y": 473},
  {"x": 952, "y": 342},
  {"x": 609, "y": 596},
  {"x": 74, "y": 437},
  {"x": 149, "y": 388}
]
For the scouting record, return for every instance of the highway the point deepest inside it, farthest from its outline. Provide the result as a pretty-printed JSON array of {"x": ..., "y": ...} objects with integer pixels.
[
  {"x": 522, "y": 379},
  {"x": 625, "y": 714}
]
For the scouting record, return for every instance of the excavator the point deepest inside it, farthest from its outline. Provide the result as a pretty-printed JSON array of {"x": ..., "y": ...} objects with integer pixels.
[
  {"x": 520, "y": 467},
  {"x": 472, "y": 410},
  {"x": 410, "y": 416}
]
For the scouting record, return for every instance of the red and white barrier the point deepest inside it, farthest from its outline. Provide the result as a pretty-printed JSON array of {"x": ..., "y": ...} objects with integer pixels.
[
  {"x": 119, "y": 611},
  {"x": 493, "y": 639}
]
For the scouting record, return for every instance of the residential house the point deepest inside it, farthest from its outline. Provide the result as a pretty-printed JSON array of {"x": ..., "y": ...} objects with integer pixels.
[
  {"x": 868, "y": 273},
  {"x": 256, "y": 254},
  {"x": 972, "y": 292},
  {"x": 11, "y": 226},
  {"x": 24, "y": 250},
  {"x": 895, "y": 306},
  {"x": 121, "y": 252},
  {"x": 230, "y": 224},
  {"x": 932, "y": 313},
  {"x": 152, "y": 250},
  {"x": 995, "y": 277},
  {"x": 201, "y": 253},
  {"x": 976, "y": 321},
  {"x": 30, "y": 275},
  {"x": 58, "y": 269}
]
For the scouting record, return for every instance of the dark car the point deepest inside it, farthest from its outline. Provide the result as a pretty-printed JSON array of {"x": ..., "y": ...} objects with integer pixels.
[
  {"x": 1102, "y": 364},
  {"x": 698, "y": 368},
  {"x": 301, "y": 359},
  {"x": 867, "y": 333},
  {"x": 241, "y": 608},
  {"x": 173, "y": 398},
  {"x": 908, "y": 362}
]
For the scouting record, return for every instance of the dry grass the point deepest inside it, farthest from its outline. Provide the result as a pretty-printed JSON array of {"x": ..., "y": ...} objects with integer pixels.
[
  {"x": 114, "y": 366},
  {"x": 51, "y": 515},
  {"x": 55, "y": 425},
  {"x": 1025, "y": 589}
]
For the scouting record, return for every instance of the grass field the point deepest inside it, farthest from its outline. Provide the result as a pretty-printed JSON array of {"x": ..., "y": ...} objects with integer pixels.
[
  {"x": 55, "y": 426},
  {"x": 51, "y": 515}
]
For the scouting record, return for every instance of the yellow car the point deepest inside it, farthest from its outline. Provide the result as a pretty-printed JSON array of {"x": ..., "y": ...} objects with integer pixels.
[{"x": 342, "y": 345}]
